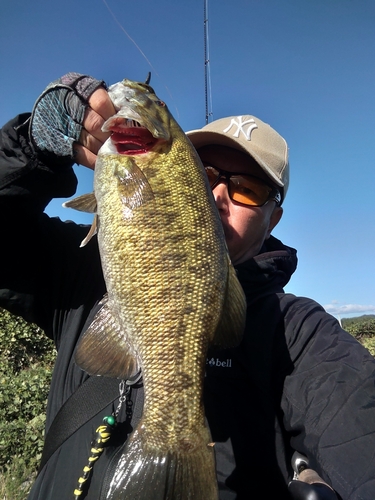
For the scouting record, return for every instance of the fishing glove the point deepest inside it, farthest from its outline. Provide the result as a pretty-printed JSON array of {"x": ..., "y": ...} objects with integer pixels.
[{"x": 57, "y": 117}]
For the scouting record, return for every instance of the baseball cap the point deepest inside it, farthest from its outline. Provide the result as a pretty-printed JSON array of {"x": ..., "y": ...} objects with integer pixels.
[{"x": 252, "y": 136}]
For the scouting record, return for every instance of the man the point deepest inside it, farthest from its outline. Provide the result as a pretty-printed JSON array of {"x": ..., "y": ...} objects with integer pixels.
[{"x": 297, "y": 382}]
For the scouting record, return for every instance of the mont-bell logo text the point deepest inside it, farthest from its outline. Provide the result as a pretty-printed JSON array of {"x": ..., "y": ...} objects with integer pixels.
[
  {"x": 219, "y": 362},
  {"x": 238, "y": 125}
]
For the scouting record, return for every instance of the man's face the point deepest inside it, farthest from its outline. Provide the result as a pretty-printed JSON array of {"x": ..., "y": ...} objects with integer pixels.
[{"x": 245, "y": 227}]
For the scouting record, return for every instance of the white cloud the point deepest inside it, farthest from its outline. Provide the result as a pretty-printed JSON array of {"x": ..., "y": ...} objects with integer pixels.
[{"x": 334, "y": 308}]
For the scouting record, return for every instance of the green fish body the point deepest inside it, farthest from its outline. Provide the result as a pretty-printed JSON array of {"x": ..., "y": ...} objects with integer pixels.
[{"x": 171, "y": 293}]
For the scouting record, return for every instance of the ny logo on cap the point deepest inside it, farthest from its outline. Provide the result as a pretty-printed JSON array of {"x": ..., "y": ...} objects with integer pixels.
[{"x": 240, "y": 124}]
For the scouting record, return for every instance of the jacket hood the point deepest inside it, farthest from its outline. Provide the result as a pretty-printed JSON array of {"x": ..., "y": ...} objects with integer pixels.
[{"x": 269, "y": 271}]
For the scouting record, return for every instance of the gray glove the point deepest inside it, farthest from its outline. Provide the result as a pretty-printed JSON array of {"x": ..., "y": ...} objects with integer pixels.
[{"x": 57, "y": 117}]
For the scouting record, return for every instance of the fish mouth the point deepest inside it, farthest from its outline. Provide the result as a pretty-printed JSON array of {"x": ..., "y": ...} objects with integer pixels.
[{"x": 129, "y": 137}]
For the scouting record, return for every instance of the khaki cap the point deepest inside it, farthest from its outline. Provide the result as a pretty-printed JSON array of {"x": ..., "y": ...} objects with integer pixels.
[{"x": 250, "y": 135}]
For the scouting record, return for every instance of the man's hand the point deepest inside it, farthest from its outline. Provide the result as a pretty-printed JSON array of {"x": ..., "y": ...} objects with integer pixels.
[
  {"x": 91, "y": 137},
  {"x": 67, "y": 118}
]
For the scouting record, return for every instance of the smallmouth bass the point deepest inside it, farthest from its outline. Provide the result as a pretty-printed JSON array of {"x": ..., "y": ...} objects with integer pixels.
[{"x": 171, "y": 293}]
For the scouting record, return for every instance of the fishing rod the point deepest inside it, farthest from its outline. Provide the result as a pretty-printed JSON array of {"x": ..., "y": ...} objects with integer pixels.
[{"x": 207, "y": 74}]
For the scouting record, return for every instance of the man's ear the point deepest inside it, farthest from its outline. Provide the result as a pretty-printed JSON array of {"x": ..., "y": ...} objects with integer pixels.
[{"x": 274, "y": 219}]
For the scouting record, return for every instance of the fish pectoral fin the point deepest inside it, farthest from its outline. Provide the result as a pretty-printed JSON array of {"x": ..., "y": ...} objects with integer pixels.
[
  {"x": 232, "y": 322},
  {"x": 84, "y": 203},
  {"x": 104, "y": 350},
  {"x": 134, "y": 187}
]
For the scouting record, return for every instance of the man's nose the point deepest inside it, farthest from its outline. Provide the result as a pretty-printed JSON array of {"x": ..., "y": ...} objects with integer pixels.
[{"x": 221, "y": 194}]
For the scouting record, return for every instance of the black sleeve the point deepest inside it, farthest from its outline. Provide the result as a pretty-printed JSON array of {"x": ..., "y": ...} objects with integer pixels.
[
  {"x": 29, "y": 181},
  {"x": 329, "y": 399},
  {"x": 40, "y": 258}
]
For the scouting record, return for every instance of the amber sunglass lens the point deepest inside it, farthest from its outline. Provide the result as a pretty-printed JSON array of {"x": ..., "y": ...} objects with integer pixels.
[{"x": 248, "y": 190}]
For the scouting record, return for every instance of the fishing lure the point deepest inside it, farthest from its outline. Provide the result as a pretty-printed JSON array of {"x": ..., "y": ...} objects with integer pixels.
[{"x": 103, "y": 435}]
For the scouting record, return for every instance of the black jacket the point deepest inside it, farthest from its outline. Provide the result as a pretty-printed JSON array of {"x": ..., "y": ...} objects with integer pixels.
[{"x": 297, "y": 381}]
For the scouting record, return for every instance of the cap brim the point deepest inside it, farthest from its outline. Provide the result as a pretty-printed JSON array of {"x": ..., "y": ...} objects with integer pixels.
[{"x": 201, "y": 138}]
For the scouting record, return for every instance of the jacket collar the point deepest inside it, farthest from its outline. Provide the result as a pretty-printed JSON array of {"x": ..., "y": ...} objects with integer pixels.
[{"x": 269, "y": 271}]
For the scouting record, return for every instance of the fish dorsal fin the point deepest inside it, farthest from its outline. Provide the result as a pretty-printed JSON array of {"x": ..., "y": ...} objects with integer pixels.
[
  {"x": 104, "y": 350},
  {"x": 232, "y": 322},
  {"x": 84, "y": 203},
  {"x": 92, "y": 232}
]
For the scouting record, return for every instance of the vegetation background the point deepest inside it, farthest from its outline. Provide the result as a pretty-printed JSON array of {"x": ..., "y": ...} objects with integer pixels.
[{"x": 26, "y": 362}]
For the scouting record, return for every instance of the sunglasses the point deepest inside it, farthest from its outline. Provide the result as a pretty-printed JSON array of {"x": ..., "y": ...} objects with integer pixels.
[{"x": 244, "y": 189}]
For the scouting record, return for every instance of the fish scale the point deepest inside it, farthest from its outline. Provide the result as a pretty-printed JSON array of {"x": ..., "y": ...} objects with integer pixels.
[{"x": 171, "y": 293}]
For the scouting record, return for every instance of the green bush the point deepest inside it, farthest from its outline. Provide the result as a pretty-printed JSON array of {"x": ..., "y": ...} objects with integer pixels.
[
  {"x": 369, "y": 343},
  {"x": 363, "y": 329},
  {"x": 26, "y": 361}
]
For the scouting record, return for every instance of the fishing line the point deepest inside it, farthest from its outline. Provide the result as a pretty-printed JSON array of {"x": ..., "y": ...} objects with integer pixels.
[{"x": 142, "y": 53}]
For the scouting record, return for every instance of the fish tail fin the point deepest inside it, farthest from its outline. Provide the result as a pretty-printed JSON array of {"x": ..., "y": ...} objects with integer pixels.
[{"x": 143, "y": 472}]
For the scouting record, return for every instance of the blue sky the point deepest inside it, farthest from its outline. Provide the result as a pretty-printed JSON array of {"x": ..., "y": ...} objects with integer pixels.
[{"x": 306, "y": 67}]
